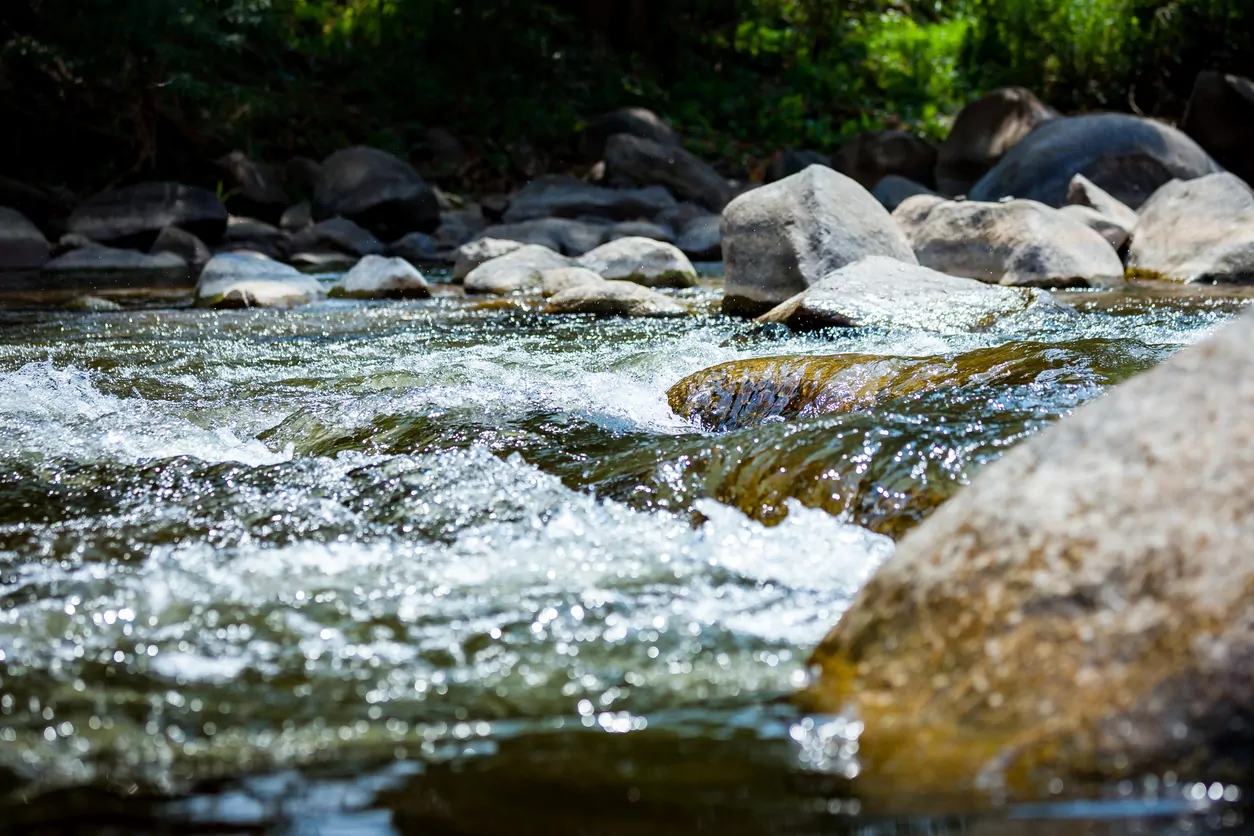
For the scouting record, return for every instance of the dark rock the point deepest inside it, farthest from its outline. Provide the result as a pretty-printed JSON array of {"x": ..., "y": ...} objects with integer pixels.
[
  {"x": 1220, "y": 117},
  {"x": 377, "y": 191},
  {"x": 494, "y": 207},
  {"x": 183, "y": 244},
  {"x": 459, "y": 226},
  {"x": 701, "y": 239},
  {"x": 22, "y": 245},
  {"x": 1196, "y": 231},
  {"x": 780, "y": 239},
  {"x": 92, "y": 304},
  {"x": 254, "y": 188},
  {"x": 560, "y": 196},
  {"x": 1017, "y": 242},
  {"x": 893, "y": 190},
  {"x": 1081, "y": 612},
  {"x": 135, "y": 215},
  {"x": 418, "y": 248},
  {"x": 640, "y": 229},
  {"x": 794, "y": 161},
  {"x": 45, "y": 207},
  {"x": 296, "y": 217},
  {"x": 300, "y": 176},
  {"x": 1082, "y": 191},
  {"x": 375, "y": 277},
  {"x": 559, "y": 234},
  {"x": 643, "y": 261},
  {"x": 446, "y": 152},
  {"x": 1127, "y": 156},
  {"x": 982, "y": 134},
  {"x": 338, "y": 234},
  {"x": 319, "y": 261},
  {"x": 651, "y": 163},
  {"x": 870, "y": 157},
  {"x": 97, "y": 259},
  {"x": 633, "y": 121},
  {"x": 884, "y": 292}
]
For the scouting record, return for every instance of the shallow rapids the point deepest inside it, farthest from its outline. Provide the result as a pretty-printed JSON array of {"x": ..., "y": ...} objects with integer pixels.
[{"x": 357, "y": 543}]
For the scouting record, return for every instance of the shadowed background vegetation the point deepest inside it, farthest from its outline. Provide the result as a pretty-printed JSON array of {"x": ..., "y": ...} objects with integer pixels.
[{"x": 96, "y": 92}]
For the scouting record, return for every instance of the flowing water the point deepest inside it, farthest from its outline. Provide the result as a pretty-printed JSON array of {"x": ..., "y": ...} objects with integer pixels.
[{"x": 454, "y": 566}]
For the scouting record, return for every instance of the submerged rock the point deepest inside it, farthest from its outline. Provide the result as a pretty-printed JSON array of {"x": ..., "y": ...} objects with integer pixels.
[
  {"x": 612, "y": 298},
  {"x": 643, "y": 261},
  {"x": 1016, "y": 242},
  {"x": 1128, "y": 156},
  {"x": 886, "y": 292},
  {"x": 479, "y": 251},
  {"x": 22, "y": 245},
  {"x": 1196, "y": 231},
  {"x": 650, "y": 163},
  {"x": 515, "y": 271},
  {"x": 375, "y": 277},
  {"x": 133, "y": 216},
  {"x": 746, "y": 393},
  {"x": 376, "y": 191},
  {"x": 1081, "y": 611},
  {"x": 235, "y": 280},
  {"x": 982, "y": 134},
  {"x": 780, "y": 239}
]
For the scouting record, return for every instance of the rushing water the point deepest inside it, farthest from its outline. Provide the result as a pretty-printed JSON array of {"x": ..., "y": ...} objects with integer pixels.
[{"x": 455, "y": 566}]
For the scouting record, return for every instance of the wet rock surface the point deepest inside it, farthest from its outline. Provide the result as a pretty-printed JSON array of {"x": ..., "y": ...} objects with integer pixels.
[{"x": 1081, "y": 610}]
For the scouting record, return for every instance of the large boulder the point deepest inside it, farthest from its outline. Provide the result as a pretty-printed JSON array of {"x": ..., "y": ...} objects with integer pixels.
[
  {"x": 1081, "y": 611},
  {"x": 481, "y": 250},
  {"x": 237, "y": 280},
  {"x": 377, "y": 191},
  {"x": 1196, "y": 231},
  {"x": 643, "y": 261},
  {"x": 1016, "y": 242},
  {"x": 982, "y": 134},
  {"x": 612, "y": 298},
  {"x": 561, "y": 196},
  {"x": 96, "y": 259},
  {"x": 376, "y": 277},
  {"x": 1128, "y": 156},
  {"x": 253, "y": 188},
  {"x": 701, "y": 239},
  {"x": 1220, "y": 116},
  {"x": 633, "y": 121},
  {"x": 252, "y": 235},
  {"x": 652, "y": 163},
  {"x": 781, "y": 238},
  {"x": 183, "y": 244},
  {"x": 338, "y": 234},
  {"x": 553, "y": 282},
  {"x": 794, "y": 161},
  {"x": 516, "y": 271},
  {"x": 22, "y": 245},
  {"x": 419, "y": 248},
  {"x": 135, "y": 215},
  {"x": 894, "y": 190},
  {"x": 871, "y": 156},
  {"x": 559, "y": 234},
  {"x": 885, "y": 292}
]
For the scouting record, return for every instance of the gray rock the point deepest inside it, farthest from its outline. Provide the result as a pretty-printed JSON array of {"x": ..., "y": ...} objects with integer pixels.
[
  {"x": 376, "y": 277},
  {"x": 376, "y": 191},
  {"x": 1128, "y": 156},
  {"x": 516, "y": 271},
  {"x": 780, "y": 239},
  {"x": 22, "y": 245},
  {"x": 296, "y": 217},
  {"x": 254, "y": 188},
  {"x": 613, "y": 298},
  {"x": 1220, "y": 117},
  {"x": 650, "y": 163},
  {"x": 1196, "y": 231},
  {"x": 1082, "y": 191},
  {"x": 553, "y": 282},
  {"x": 459, "y": 226},
  {"x": 257, "y": 236},
  {"x": 871, "y": 156},
  {"x": 183, "y": 244},
  {"x": 480, "y": 251},
  {"x": 338, "y": 234},
  {"x": 636, "y": 121},
  {"x": 681, "y": 215},
  {"x": 1115, "y": 234},
  {"x": 559, "y": 234},
  {"x": 99, "y": 259},
  {"x": 73, "y": 241},
  {"x": 92, "y": 304},
  {"x": 1081, "y": 611},
  {"x": 643, "y": 261},
  {"x": 235, "y": 280},
  {"x": 418, "y": 248},
  {"x": 136, "y": 215},
  {"x": 321, "y": 261},
  {"x": 982, "y": 134},
  {"x": 879, "y": 291},
  {"x": 640, "y": 229},
  {"x": 794, "y": 161},
  {"x": 893, "y": 190},
  {"x": 701, "y": 239},
  {"x": 1016, "y": 242},
  {"x": 560, "y": 196}
]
